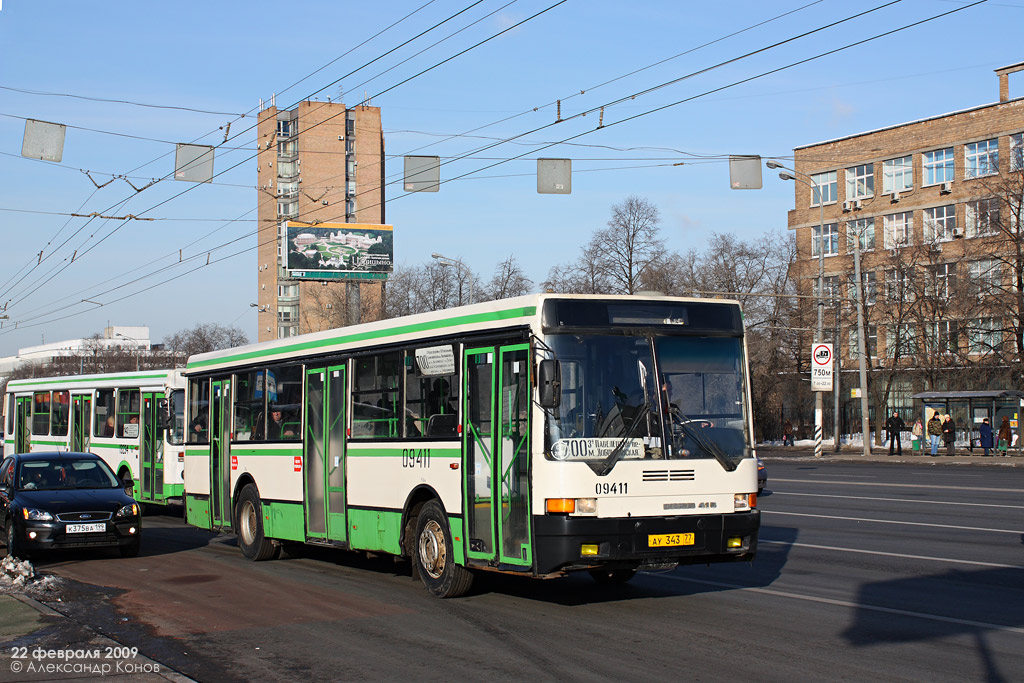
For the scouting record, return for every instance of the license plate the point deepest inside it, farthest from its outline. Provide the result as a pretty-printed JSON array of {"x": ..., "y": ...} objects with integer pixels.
[
  {"x": 669, "y": 540},
  {"x": 85, "y": 528}
]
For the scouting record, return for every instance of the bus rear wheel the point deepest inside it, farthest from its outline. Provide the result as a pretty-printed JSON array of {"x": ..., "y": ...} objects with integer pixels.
[
  {"x": 434, "y": 555},
  {"x": 249, "y": 524}
]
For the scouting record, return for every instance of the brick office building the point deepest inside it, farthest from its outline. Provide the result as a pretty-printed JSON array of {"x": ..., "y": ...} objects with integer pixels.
[
  {"x": 936, "y": 204},
  {"x": 321, "y": 162}
]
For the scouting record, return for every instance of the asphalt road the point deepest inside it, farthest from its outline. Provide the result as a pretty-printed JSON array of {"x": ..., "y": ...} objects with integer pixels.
[{"x": 865, "y": 572}]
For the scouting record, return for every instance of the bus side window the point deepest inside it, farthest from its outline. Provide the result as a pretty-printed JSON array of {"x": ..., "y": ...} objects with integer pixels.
[
  {"x": 60, "y": 407},
  {"x": 41, "y": 413},
  {"x": 128, "y": 413},
  {"x": 375, "y": 396},
  {"x": 104, "y": 423}
]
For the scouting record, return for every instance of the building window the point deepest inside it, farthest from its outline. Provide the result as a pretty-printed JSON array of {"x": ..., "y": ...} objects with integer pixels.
[
  {"x": 898, "y": 229},
  {"x": 899, "y": 285},
  {"x": 942, "y": 337},
  {"x": 984, "y": 335},
  {"x": 871, "y": 343},
  {"x": 287, "y": 148},
  {"x": 1017, "y": 152},
  {"x": 285, "y": 127},
  {"x": 287, "y": 291},
  {"x": 287, "y": 209},
  {"x": 288, "y": 189},
  {"x": 869, "y": 287},
  {"x": 982, "y": 217},
  {"x": 937, "y": 166},
  {"x": 287, "y": 315},
  {"x": 831, "y": 234},
  {"x": 860, "y": 181},
  {"x": 981, "y": 158},
  {"x": 832, "y": 290},
  {"x": 826, "y": 185},
  {"x": 985, "y": 277},
  {"x": 943, "y": 283},
  {"x": 939, "y": 223},
  {"x": 284, "y": 331},
  {"x": 897, "y": 175},
  {"x": 900, "y": 340},
  {"x": 287, "y": 169},
  {"x": 865, "y": 228}
]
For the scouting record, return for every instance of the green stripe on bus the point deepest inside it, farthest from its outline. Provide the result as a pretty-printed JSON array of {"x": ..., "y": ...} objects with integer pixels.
[
  {"x": 64, "y": 380},
  {"x": 507, "y": 314}
]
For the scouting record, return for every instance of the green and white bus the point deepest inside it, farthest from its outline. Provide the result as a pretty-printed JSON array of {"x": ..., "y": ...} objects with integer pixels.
[
  {"x": 538, "y": 436},
  {"x": 133, "y": 420}
]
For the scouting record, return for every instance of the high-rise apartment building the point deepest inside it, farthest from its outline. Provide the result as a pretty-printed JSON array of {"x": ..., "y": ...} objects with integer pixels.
[
  {"x": 935, "y": 205},
  {"x": 321, "y": 162}
]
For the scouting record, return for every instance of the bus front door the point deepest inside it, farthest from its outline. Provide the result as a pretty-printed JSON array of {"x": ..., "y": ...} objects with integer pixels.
[
  {"x": 151, "y": 447},
  {"x": 220, "y": 458},
  {"x": 496, "y": 449},
  {"x": 323, "y": 446},
  {"x": 81, "y": 414},
  {"x": 22, "y": 425}
]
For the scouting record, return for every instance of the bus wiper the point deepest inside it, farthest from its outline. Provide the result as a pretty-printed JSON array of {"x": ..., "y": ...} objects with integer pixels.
[
  {"x": 706, "y": 444},
  {"x": 620, "y": 447}
]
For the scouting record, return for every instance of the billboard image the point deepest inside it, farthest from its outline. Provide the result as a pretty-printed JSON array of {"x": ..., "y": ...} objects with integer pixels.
[{"x": 356, "y": 251}]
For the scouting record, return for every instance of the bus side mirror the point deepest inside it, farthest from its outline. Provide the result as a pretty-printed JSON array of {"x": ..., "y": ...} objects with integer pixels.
[{"x": 549, "y": 381}]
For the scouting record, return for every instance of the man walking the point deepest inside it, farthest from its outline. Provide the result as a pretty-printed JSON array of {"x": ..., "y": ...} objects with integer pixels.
[{"x": 894, "y": 425}]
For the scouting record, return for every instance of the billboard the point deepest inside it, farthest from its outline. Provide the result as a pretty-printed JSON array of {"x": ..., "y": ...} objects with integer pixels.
[{"x": 338, "y": 251}]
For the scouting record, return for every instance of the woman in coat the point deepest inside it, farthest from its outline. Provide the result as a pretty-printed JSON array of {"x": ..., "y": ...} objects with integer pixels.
[
  {"x": 949, "y": 435},
  {"x": 918, "y": 432},
  {"x": 1005, "y": 436},
  {"x": 985, "y": 432}
]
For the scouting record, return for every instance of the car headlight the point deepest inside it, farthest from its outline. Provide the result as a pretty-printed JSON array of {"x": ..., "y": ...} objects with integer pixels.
[
  {"x": 36, "y": 515},
  {"x": 129, "y": 511}
]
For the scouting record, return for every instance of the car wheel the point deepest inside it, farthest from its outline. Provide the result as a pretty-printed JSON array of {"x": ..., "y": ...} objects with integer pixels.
[
  {"x": 434, "y": 554},
  {"x": 14, "y": 547},
  {"x": 611, "y": 576},
  {"x": 249, "y": 526}
]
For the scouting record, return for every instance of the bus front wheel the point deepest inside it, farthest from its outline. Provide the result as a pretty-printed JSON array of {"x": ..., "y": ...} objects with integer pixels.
[
  {"x": 249, "y": 523},
  {"x": 434, "y": 555}
]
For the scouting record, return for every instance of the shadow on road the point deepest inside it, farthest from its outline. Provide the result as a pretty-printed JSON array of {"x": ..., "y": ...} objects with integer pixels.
[{"x": 937, "y": 606}]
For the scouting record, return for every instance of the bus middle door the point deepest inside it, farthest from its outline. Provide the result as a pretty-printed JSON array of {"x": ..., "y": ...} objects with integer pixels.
[
  {"x": 323, "y": 446},
  {"x": 81, "y": 415},
  {"x": 151, "y": 449},
  {"x": 22, "y": 424},
  {"x": 220, "y": 455}
]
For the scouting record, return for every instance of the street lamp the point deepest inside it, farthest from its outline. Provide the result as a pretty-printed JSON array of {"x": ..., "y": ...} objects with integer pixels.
[
  {"x": 447, "y": 261},
  {"x": 138, "y": 346},
  {"x": 259, "y": 309},
  {"x": 815, "y": 188}
]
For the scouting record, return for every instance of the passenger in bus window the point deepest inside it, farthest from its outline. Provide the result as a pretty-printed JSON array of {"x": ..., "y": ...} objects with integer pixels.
[
  {"x": 108, "y": 428},
  {"x": 198, "y": 429},
  {"x": 276, "y": 428}
]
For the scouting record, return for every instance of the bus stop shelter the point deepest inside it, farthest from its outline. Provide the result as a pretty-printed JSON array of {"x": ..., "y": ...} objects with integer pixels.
[{"x": 969, "y": 408}]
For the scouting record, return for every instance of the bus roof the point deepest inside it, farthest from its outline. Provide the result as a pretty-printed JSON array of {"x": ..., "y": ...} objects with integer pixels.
[
  {"x": 135, "y": 377},
  {"x": 521, "y": 310}
]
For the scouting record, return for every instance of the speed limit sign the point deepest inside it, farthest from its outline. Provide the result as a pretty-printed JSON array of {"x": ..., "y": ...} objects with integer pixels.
[{"x": 821, "y": 367}]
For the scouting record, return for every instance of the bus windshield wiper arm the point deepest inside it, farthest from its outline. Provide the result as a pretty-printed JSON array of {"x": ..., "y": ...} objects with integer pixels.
[
  {"x": 706, "y": 444},
  {"x": 620, "y": 447}
]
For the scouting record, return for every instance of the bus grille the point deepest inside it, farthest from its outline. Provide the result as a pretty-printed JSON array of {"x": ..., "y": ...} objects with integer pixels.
[{"x": 668, "y": 475}]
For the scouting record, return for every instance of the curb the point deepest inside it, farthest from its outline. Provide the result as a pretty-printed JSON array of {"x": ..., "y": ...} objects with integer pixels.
[
  {"x": 850, "y": 455},
  {"x": 165, "y": 671}
]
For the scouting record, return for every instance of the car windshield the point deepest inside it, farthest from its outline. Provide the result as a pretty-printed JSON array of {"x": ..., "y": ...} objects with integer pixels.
[
  {"x": 614, "y": 396},
  {"x": 65, "y": 473}
]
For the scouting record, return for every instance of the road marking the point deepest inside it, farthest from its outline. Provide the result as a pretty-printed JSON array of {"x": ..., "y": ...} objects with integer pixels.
[
  {"x": 843, "y": 603},
  {"x": 893, "y": 521},
  {"x": 897, "y": 500},
  {"x": 905, "y": 486},
  {"x": 902, "y": 555}
]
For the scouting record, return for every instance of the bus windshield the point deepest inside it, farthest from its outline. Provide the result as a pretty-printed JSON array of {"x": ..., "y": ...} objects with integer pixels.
[{"x": 617, "y": 388}]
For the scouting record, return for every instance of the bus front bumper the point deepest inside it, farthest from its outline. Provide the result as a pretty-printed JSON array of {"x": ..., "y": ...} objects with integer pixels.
[{"x": 560, "y": 539}]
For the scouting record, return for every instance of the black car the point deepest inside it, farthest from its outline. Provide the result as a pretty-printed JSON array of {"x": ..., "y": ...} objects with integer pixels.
[
  {"x": 762, "y": 476},
  {"x": 51, "y": 501}
]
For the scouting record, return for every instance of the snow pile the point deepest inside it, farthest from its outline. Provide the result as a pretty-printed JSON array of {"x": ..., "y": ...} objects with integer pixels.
[{"x": 16, "y": 573}]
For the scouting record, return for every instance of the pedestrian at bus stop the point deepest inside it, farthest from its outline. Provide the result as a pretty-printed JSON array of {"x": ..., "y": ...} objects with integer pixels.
[
  {"x": 934, "y": 432},
  {"x": 949, "y": 435},
  {"x": 894, "y": 425},
  {"x": 1005, "y": 436},
  {"x": 918, "y": 433},
  {"x": 985, "y": 432}
]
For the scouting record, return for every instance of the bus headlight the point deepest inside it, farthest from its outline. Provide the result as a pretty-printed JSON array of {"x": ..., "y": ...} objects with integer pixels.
[
  {"x": 744, "y": 501},
  {"x": 586, "y": 506}
]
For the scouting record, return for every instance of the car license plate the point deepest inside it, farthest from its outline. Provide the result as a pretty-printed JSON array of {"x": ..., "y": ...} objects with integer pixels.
[
  {"x": 85, "y": 528},
  {"x": 669, "y": 540}
]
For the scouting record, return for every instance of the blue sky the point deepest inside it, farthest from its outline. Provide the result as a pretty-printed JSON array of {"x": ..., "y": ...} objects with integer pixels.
[{"x": 224, "y": 56}]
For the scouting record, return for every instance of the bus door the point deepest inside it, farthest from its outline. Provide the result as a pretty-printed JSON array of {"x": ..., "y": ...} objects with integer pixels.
[
  {"x": 22, "y": 424},
  {"x": 81, "y": 416},
  {"x": 323, "y": 446},
  {"x": 496, "y": 449},
  {"x": 151, "y": 449},
  {"x": 220, "y": 457}
]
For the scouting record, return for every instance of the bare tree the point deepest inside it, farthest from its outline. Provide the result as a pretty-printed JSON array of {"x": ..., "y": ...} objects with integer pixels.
[
  {"x": 204, "y": 337},
  {"x": 508, "y": 281},
  {"x": 631, "y": 244},
  {"x": 588, "y": 274}
]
